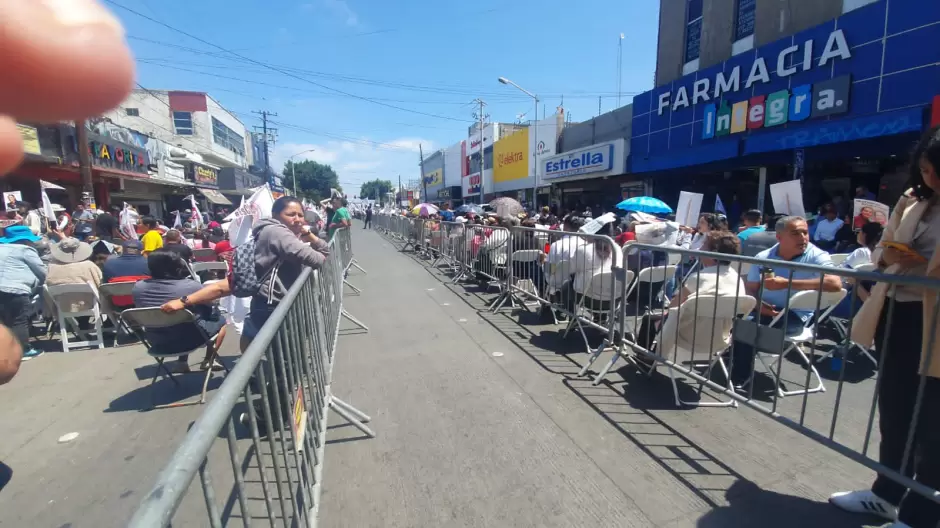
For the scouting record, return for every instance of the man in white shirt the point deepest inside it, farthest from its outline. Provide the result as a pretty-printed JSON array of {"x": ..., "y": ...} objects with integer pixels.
[
  {"x": 560, "y": 254},
  {"x": 826, "y": 229}
]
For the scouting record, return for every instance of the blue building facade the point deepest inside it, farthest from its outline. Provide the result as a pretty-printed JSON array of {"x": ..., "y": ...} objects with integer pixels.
[{"x": 856, "y": 85}]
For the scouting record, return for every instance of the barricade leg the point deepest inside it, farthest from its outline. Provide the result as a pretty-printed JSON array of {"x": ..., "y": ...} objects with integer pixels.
[
  {"x": 351, "y": 287},
  {"x": 346, "y": 315},
  {"x": 353, "y": 262}
]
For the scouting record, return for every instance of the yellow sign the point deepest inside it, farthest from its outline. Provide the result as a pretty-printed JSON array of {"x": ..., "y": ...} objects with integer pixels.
[
  {"x": 30, "y": 139},
  {"x": 511, "y": 157},
  {"x": 435, "y": 177}
]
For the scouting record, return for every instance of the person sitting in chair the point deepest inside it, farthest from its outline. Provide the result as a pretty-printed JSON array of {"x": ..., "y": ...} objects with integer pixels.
[
  {"x": 170, "y": 280},
  {"x": 773, "y": 285},
  {"x": 715, "y": 277}
]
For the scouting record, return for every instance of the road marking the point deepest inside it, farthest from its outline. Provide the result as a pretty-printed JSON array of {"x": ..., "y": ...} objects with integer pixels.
[
  {"x": 461, "y": 320},
  {"x": 66, "y": 438},
  {"x": 497, "y": 354},
  {"x": 445, "y": 304}
]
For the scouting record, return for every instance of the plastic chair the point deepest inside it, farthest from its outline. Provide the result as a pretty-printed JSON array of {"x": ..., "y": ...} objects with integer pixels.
[
  {"x": 139, "y": 319},
  {"x": 67, "y": 316},
  {"x": 601, "y": 289},
  {"x": 200, "y": 267},
  {"x": 838, "y": 258},
  {"x": 703, "y": 312},
  {"x": 804, "y": 301}
]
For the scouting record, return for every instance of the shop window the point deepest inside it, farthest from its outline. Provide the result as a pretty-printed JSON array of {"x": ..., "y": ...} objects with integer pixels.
[
  {"x": 693, "y": 29},
  {"x": 183, "y": 123},
  {"x": 226, "y": 137},
  {"x": 745, "y": 14},
  {"x": 132, "y": 112}
]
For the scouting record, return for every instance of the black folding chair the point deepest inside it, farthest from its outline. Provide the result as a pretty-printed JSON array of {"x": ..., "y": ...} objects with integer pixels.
[{"x": 138, "y": 320}]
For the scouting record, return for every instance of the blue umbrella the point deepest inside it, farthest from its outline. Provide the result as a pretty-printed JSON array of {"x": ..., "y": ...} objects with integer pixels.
[
  {"x": 645, "y": 204},
  {"x": 469, "y": 208}
]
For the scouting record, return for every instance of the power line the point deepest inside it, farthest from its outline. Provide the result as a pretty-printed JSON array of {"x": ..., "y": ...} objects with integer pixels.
[{"x": 348, "y": 94}]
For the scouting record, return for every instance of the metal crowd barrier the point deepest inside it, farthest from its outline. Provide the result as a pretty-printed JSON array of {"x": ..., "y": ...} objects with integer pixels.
[
  {"x": 635, "y": 299},
  {"x": 283, "y": 380}
]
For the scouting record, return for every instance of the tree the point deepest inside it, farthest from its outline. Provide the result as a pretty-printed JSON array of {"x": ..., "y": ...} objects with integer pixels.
[
  {"x": 375, "y": 189},
  {"x": 314, "y": 180}
]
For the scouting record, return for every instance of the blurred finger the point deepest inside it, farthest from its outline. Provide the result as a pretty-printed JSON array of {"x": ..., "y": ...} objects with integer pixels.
[
  {"x": 62, "y": 60},
  {"x": 11, "y": 145}
]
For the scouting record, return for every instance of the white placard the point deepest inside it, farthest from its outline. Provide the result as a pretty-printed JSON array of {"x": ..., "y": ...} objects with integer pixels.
[
  {"x": 864, "y": 211},
  {"x": 788, "y": 198},
  {"x": 689, "y": 208},
  {"x": 595, "y": 225}
]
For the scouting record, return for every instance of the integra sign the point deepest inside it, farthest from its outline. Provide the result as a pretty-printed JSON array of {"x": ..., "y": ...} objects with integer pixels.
[
  {"x": 787, "y": 64},
  {"x": 822, "y": 99},
  {"x": 596, "y": 158}
]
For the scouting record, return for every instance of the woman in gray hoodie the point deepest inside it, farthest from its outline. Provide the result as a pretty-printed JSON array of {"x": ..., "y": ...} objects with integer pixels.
[{"x": 283, "y": 241}]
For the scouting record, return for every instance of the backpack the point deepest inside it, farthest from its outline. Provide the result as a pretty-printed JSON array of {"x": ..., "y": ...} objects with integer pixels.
[{"x": 244, "y": 279}]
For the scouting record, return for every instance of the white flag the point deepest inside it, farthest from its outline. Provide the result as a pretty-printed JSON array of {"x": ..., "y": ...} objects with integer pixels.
[
  {"x": 196, "y": 218},
  {"x": 43, "y": 184},
  {"x": 128, "y": 222},
  {"x": 177, "y": 222},
  {"x": 47, "y": 210}
]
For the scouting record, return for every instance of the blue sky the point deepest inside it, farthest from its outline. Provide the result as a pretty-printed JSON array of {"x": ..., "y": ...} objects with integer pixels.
[{"x": 429, "y": 59}]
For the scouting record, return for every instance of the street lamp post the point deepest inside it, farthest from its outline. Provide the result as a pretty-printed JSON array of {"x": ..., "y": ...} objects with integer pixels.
[
  {"x": 293, "y": 171},
  {"x": 535, "y": 140}
]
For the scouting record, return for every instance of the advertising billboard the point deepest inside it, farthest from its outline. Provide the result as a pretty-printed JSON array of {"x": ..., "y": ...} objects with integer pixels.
[
  {"x": 511, "y": 157},
  {"x": 490, "y": 136}
]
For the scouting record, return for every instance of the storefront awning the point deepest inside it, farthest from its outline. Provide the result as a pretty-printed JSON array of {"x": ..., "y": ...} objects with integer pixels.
[{"x": 215, "y": 197}]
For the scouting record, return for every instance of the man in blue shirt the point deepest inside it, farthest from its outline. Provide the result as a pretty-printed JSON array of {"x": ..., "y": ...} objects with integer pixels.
[
  {"x": 446, "y": 214},
  {"x": 752, "y": 224},
  {"x": 774, "y": 289}
]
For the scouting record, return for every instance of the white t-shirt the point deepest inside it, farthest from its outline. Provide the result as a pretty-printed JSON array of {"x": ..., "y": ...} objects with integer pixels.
[
  {"x": 585, "y": 264},
  {"x": 721, "y": 280},
  {"x": 858, "y": 257},
  {"x": 559, "y": 262}
]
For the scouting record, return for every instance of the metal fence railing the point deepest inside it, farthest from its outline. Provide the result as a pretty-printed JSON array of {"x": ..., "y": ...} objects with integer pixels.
[
  {"x": 283, "y": 380},
  {"x": 779, "y": 341}
]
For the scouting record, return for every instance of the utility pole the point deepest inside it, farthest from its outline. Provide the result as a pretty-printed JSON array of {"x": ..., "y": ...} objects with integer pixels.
[
  {"x": 84, "y": 163},
  {"x": 482, "y": 118},
  {"x": 424, "y": 181},
  {"x": 619, "y": 68},
  {"x": 265, "y": 131},
  {"x": 399, "y": 194}
]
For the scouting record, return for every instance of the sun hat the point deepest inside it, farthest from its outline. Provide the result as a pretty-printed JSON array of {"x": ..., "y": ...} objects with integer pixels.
[
  {"x": 70, "y": 250},
  {"x": 15, "y": 233}
]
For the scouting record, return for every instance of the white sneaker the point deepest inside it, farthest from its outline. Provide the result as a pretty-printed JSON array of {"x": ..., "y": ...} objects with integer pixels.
[{"x": 864, "y": 501}]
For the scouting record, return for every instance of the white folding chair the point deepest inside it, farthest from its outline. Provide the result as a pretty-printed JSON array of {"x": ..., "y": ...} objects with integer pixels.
[
  {"x": 602, "y": 288},
  {"x": 674, "y": 258},
  {"x": 67, "y": 316},
  {"x": 138, "y": 320},
  {"x": 200, "y": 267},
  {"x": 523, "y": 289},
  {"x": 838, "y": 258},
  {"x": 650, "y": 275},
  {"x": 807, "y": 300},
  {"x": 704, "y": 313}
]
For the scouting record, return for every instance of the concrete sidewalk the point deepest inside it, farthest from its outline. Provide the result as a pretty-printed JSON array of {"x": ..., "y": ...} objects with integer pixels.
[{"x": 482, "y": 422}]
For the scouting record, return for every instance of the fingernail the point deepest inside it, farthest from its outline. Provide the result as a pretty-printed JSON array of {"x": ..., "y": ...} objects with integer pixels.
[{"x": 83, "y": 13}]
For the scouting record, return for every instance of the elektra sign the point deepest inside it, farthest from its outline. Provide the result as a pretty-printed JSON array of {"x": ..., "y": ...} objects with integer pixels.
[
  {"x": 787, "y": 64},
  {"x": 596, "y": 158}
]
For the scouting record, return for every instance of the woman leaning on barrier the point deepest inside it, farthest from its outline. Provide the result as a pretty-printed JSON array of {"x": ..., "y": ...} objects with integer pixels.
[{"x": 912, "y": 349}]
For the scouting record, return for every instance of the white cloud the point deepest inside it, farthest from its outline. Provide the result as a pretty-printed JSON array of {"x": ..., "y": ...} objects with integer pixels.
[
  {"x": 341, "y": 10},
  {"x": 359, "y": 161}
]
